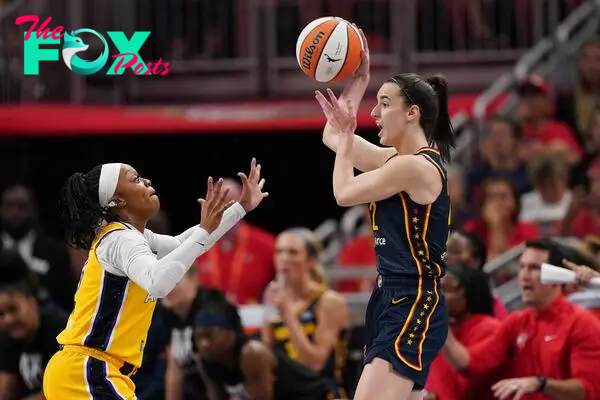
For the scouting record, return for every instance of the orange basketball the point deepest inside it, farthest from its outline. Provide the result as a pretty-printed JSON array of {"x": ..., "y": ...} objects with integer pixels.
[{"x": 328, "y": 49}]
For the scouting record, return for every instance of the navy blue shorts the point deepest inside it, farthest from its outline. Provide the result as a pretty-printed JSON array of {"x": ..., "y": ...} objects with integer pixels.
[{"x": 406, "y": 325}]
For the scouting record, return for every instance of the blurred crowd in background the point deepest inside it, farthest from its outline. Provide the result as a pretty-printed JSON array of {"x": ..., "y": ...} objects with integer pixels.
[{"x": 533, "y": 173}]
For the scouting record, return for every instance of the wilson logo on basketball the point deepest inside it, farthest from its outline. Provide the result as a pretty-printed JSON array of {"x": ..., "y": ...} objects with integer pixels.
[
  {"x": 328, "y": 49},
  {"x": 309, "y": 51}
]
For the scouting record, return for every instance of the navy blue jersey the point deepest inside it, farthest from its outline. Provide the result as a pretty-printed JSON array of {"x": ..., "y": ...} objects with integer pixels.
[{"x": 410, "y": 238}]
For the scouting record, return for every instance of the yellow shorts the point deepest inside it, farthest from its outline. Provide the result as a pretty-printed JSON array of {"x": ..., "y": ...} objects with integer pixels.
[{"x": 82, "y": 373}]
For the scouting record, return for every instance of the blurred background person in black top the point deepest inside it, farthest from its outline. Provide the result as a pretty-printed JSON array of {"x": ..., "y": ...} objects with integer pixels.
[
  {"x": 183, "y": 381},
  {"x": 46, "y": 258},
  {"x": 238, "y": 368},
  {"x": 28, "y": 330}
]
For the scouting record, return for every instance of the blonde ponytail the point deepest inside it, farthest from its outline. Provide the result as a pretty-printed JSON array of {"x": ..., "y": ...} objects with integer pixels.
[
  {"x": 317, "y": 273},
  {"x": 313, "y": 249}
]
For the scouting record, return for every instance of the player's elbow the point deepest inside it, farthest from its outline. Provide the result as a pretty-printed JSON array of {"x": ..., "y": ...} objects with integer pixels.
[
  {"x": 159, "y": 292},
  {"x": 343, "y": 198}
]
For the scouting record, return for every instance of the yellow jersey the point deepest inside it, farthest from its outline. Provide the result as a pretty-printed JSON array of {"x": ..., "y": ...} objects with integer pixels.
[{"x": 111, "y": 314}]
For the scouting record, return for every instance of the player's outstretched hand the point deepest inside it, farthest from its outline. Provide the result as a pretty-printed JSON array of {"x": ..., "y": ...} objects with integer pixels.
[
  {"x": 213, "y": 205},
  {"x": 252, "y": 186},
  {"x": 342, "y": 119}
]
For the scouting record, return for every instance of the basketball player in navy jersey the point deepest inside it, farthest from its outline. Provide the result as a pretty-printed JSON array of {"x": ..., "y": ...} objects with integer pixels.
[{"x": 405, "y": 186}]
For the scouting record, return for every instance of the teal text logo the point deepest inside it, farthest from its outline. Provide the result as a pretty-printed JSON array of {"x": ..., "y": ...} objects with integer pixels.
[{"x": 36, "y": 50}]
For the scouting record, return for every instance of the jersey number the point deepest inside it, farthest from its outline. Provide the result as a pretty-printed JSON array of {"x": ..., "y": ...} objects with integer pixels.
[{"x": 373, "y": 209}]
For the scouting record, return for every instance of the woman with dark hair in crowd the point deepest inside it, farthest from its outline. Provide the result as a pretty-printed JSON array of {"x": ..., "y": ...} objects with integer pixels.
[
  {"x": 468, "y": 249},
  {"x": 471, "y": 309},
  {"x": 406, "y": 187},
  {"x": 312, "y": 319},
  {"x": 128, "y": 268},
  {"x": 235, "y": 367},
  {"x": 498, "y": 224},
  {"x": 28, "y": 330}
]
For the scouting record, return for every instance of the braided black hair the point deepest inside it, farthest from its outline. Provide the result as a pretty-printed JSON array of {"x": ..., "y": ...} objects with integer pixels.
[
  {"x": 82, "y": 213},
  {"x": 477, "y": 289}
]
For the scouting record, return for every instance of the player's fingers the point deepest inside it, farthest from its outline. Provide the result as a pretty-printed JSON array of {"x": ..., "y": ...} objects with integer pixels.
[
  {"x": 324, "y": 103},
  {"x": 217, "y": 188},
  {"x": 244, "y": 179},
  {"x": 265, "y": 195},
  {"x": 209, "y": 187},
  {"x": 332, "y": 98},
  {"x": 215, "y": 201},
  {"x": 261, "y": 184},
  {"x": 256, "y": 177},
  {"x": 221, "y": 202},
  {"x": 364, "y": 40},
  {"x": 321, "y": 99}
]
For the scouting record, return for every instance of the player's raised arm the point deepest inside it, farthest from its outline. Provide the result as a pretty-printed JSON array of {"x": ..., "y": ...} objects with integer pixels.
[
  {"x": 251, "y": 192},
  {"x": 365, "y": 155}
]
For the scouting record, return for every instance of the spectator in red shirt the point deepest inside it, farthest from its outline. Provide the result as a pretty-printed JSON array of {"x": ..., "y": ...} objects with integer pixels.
[
  {"x": 551, "y": 347},
  {"x": 241, "y": 263},
  {"x": 498, "y": 224},
  {"x": 583, "y": 215},
  {"x": 466, "y": 248},
  {"x": 540, "y": 131},
  {"x": 470, "y": 309}
]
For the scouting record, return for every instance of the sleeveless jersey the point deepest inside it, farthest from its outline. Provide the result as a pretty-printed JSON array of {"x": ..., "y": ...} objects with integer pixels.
[
  {"x": 410, "y": 238},
  {"x": 111, "y": 314},
  {"x": 332, "y": 370}
]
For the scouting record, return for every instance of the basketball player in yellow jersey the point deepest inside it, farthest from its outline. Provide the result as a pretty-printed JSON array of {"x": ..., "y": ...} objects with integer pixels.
[{"x": 128, "y": 268}]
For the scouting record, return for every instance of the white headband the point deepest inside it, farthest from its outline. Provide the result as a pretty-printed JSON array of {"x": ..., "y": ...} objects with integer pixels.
[{"x": 109, "y": 176}]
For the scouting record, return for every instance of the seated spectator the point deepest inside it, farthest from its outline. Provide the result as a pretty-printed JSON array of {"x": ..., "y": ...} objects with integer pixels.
[
  {"x": 183, "y": 382},
  {"x": 47, "y": 259},
  {"x": 241, "y": 263},
  {"x": 149, "y": 379},
  {"x": 466, "y": 248},
  {"x": 591, "y": 143},
  {"x": 583, "y": 215},
  {"x": 358, "y": 252},
  {"x": 304, "y": 303},
  {"x": 500, "y": 153},
  {"x": 549, "y": 201},
  {"x": 470, "y": 309},
  {"x": 540, "y": 131},
  {"x": 498, "y": 224},
  {"x": 575, "y": 104},
  {"x": 236, "y": 367},
  {"x": 456, "y": 190},
  {"x": 28, "y": 330},
  {"x": 551, "y": 347}
]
